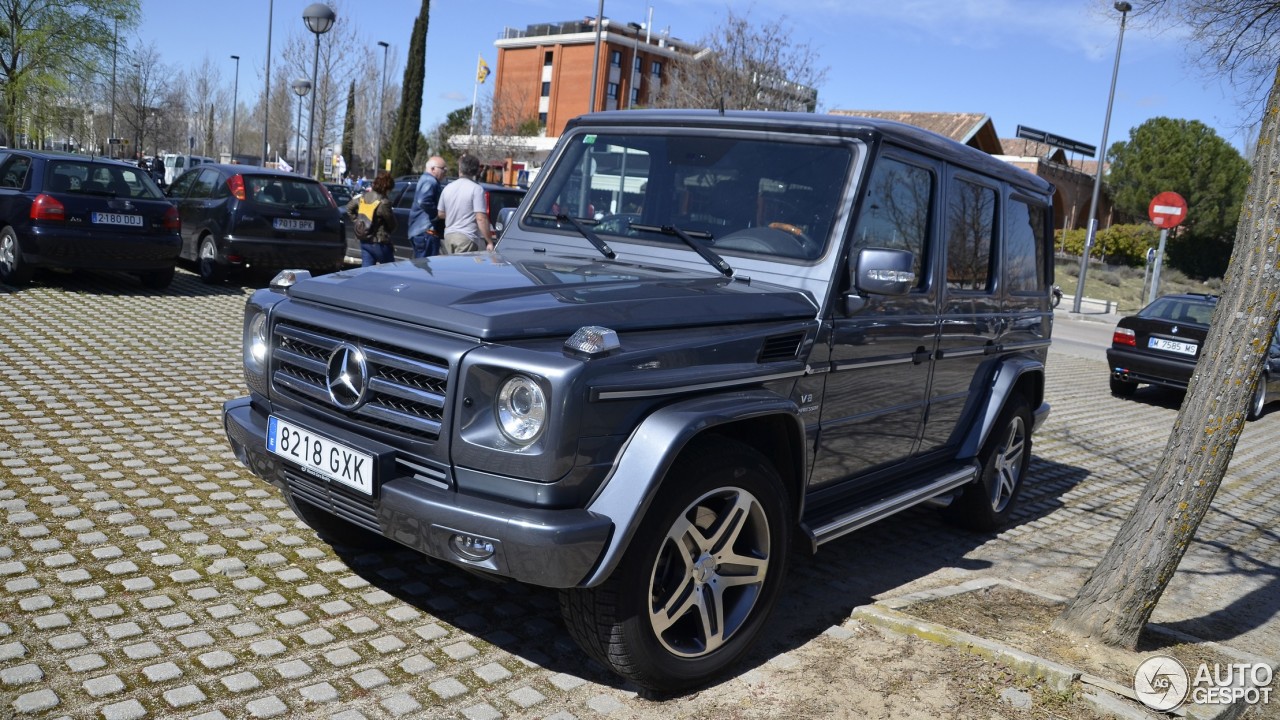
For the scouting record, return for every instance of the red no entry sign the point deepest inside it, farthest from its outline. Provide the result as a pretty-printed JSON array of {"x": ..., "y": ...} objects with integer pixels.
[{"x": 1167, "y": 210}]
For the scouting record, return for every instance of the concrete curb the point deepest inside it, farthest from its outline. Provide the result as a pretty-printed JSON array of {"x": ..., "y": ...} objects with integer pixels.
[{"x": 1107, "y": 696}]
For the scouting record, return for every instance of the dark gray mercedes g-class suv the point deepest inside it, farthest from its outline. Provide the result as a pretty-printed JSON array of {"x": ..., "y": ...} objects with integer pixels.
[{"x": 704, "y": 339}]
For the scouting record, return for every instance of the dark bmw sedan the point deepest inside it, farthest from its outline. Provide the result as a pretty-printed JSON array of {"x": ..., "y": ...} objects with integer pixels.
[
  {"x": 240, "y": 216},
  {"x": 1161, "y": 345},
  {"x": 59, "y": 210}
]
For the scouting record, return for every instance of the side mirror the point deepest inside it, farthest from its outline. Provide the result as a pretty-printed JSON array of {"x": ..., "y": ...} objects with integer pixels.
[
  {"x": 505, "y": 216},
  {"x": 882, "y": 271}
]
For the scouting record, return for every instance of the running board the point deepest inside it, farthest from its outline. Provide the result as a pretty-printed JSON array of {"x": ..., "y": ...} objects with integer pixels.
[{"x": 863, "y": 516}]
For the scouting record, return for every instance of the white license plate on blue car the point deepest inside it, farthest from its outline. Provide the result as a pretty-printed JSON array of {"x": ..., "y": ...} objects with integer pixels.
[
  {"x": 105, "y": 218},
  {"x": 1183, "y": 348},
  {"x": 292, "y": 224},
  {"x": 321, "y": 456}
]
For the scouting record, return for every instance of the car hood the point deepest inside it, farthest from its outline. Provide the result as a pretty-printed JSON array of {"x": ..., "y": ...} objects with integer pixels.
[{"x": 535, "y": 294}]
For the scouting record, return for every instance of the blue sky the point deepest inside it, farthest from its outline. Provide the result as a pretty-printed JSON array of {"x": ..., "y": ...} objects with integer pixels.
[{"x": 1045, "y": 64}]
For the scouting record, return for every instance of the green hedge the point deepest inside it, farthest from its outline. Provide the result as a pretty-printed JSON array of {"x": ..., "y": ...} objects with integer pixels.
[{"x": 1116, "y": 245}]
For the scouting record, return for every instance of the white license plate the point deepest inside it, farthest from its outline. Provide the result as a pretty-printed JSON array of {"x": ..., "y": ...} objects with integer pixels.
[
  {"x": 291, "y": 224},
  {"x": 100, "y": 218},
  {"x": 1172, "y": 346},
  {"x": 320, "y": 455}
]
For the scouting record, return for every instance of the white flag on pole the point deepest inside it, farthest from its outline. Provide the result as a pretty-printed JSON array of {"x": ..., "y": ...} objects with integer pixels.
[{"x": 282, "y": 164}]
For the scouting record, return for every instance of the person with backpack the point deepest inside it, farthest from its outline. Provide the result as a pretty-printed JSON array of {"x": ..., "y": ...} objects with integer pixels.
[{"x": 373, "y": 221}]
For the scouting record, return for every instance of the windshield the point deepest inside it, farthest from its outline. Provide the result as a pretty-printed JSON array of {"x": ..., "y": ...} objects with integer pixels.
[
  {"x": 734, "y": 195},
  {"x": 108, "y": 179}
]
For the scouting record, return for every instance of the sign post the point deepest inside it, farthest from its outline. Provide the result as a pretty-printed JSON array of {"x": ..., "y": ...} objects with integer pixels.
[{"x": 1166, "y": 210}]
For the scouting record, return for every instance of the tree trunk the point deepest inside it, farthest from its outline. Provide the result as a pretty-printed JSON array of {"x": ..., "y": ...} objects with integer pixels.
[{"x": 1117, "y": 600}]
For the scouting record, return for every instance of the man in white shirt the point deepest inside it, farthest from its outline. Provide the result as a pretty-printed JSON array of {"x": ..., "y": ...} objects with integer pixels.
[{"x": 462, "y": 207}]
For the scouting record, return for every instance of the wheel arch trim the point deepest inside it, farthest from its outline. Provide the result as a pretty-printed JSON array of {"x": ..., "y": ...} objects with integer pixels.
[
  {"x": 1013, "y": 374},
  {"x": 653, "y": 448}
]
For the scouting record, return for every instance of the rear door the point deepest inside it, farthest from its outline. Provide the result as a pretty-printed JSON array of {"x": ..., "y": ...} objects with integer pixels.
[
  {"x": 289, "y": 208},
  {"x": 971, "y": 318}
]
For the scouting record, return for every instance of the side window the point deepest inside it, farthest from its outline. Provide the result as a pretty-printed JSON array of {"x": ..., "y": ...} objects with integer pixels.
[
  {"x": 203, "y": 186},
  {"x": 14, "y": 172},
  {"x": 895, "y": 214},
  {"x": 1024, "y": 247},
  {"x": 971, "y": 226},
  {"x": 182, "y": 185}
]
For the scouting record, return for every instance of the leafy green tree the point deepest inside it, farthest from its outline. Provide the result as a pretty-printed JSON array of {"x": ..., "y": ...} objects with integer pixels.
[
  {"x": 1115, "y": 245},
  {"x": 1189, "y": 158},
  {"x": 404, "y": 145},
  {"x": 349, "y": 128},
  {"x": 456, "y": 122},
  {"x": 52, "y": 47}
]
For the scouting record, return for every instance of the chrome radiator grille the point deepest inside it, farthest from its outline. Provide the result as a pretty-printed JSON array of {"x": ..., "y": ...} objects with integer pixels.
[{"x": 406, "y": 389}]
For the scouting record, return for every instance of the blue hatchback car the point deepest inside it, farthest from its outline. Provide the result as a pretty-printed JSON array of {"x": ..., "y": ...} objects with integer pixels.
[{"x": 60, "y": 210}]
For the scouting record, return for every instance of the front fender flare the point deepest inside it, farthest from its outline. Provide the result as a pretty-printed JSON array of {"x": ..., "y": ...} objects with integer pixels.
[{"x": 652, "y": 449}]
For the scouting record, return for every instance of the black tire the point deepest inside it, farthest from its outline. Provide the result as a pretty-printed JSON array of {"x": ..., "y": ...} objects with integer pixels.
[
  {"x": 1123, "y": 388},
  {"x": 13, "y": 271},
  {"x": 334, "y": 530},
  {"x": 156, "y": 279},
  {"x": 988, "y": 504},
  {"x": 1259, "y": 400},
  {"x": 722, "y": 502},
  {"x": 207, "y": 265}
]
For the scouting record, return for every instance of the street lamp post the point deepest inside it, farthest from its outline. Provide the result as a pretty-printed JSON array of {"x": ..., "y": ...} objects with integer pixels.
[
  {"x": 382, "y": 105},
  {"x": 318, "y": 18},
  {"x": 115, "y": 49},
  {"x": 142, "y": 117},
  {"x": 1124, "y": 9},
  {"x": 266, "y": 105},
  {"x": 235, "y": 96},
  {"x": 300, "y": 88}
]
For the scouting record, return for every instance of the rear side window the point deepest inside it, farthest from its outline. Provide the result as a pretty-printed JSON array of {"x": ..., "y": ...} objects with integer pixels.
[
  {"x": 971, "y": 227},
  {"x": 204, "y": 184},
  {"x": 1024, "y": 238},
  {"x": 14, "y": 172},
  {"x": 896, "y": 212}
]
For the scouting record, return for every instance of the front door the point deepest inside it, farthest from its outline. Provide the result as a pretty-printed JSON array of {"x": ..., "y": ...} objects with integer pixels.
[{"x": 881, "y": 357}]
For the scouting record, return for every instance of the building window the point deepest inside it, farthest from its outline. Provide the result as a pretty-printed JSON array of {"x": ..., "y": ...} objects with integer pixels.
[
  {"x": 615, "y": 58},
  {"x": 656, "y": 69},
  {"x": 542, "y": 119},
  {"x": 635, "y": 64},
  {"x": 612, "y": 90},
  {"x": 546, "y": 58},
  {"x": 635, "y": 96},
  {"x": 546, "y": 89}
]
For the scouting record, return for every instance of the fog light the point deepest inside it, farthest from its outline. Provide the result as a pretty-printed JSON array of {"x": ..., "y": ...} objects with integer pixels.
[{"x": 472, "y": 548}]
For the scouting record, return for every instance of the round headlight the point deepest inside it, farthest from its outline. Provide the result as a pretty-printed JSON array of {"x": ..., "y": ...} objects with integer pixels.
[
  {"x": 256, "y": 343},
  {"x": 521, "y": 409}
]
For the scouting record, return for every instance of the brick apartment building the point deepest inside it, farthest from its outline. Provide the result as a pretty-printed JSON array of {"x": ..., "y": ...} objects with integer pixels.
[{"x": 545, "y": 69}]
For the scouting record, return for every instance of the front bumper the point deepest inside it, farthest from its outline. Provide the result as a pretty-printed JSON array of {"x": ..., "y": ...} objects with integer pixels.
[{"x": 551, "y": 548}]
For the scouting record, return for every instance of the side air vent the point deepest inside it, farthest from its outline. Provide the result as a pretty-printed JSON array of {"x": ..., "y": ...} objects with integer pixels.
[{"x": 781, "y": 347}]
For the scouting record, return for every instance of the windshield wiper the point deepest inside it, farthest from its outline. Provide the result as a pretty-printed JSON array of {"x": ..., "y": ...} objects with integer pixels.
[
  {"x": 713, "y": 259},
  {"x": 583, "y": 230}
]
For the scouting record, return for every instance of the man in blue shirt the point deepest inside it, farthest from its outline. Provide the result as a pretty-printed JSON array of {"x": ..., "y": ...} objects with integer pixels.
[{"x": 425, "y": 226}]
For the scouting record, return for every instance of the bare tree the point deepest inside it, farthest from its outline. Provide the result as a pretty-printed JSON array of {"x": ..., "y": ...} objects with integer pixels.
[
  {"x": 745, "y": 66},
  {"x": 1121, "y": 593},
  {"x": 204, "y": 90},
  {"x": 144, "y": 91}
]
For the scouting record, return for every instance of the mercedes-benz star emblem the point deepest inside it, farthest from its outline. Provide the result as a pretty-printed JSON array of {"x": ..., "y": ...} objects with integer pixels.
[{"x": 347, "y": 377}]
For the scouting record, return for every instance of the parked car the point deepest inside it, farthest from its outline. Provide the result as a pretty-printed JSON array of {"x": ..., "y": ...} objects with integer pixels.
[
  {"x": 239, "y": 216},
  {"x": 175, "y": 165},
  {"x": 1161, "y": 345},
  {"x": 59, "y": 210},
  {"x": 342, "y": 194},
  {"x": 820, "y": 321},
  {"x": 496, "y": 198}
]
